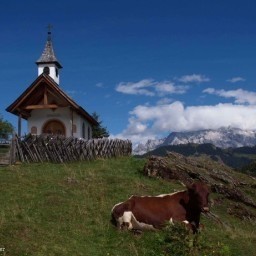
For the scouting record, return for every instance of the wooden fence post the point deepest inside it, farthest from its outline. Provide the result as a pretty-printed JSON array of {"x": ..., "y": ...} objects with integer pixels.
[{"x": 13, "y": 150}]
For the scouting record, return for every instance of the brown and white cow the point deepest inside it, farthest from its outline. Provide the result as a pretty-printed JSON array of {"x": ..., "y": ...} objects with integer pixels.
[{"x": 153, "y": 212}]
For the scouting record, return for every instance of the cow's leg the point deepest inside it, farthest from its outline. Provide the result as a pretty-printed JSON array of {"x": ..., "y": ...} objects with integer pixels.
[
  {"x": 195, "y": 223},
  {"x": 192, "y": 226}
]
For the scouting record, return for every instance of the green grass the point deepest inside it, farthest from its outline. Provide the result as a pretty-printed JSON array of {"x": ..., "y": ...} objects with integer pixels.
[{"x": 52, "y": 209}]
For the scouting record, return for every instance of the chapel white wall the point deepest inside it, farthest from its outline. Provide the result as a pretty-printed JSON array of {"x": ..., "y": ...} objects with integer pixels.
[{"x": 39, "y": 117}]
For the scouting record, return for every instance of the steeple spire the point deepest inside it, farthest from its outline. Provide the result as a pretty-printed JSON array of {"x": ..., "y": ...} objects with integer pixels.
[{"x": 48, "y": 63}]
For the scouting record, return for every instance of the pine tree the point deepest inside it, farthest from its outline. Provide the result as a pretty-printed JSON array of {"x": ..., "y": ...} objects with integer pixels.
[{"x": 98, "y": 131}]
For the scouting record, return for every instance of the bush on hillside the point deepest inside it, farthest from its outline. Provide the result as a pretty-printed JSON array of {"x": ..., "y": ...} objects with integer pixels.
[{"x": 178, "y": 240}]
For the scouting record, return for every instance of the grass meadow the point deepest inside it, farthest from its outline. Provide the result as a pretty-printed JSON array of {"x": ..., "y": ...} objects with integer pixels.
[{"x": 64, "y": 209}]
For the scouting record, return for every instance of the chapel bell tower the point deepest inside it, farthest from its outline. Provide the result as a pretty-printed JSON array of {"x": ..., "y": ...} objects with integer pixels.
[{"x": 48, "y": 63}]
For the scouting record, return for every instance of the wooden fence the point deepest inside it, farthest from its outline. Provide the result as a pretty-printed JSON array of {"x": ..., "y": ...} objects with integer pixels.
[
  {"x": 6, "y": 152},
  {"x": 59, "y": 149}
]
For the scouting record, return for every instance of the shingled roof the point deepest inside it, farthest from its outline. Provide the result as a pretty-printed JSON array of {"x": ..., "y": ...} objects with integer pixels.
[
  {"x": 48, "y": 55},
  {"x": 33, "y": 98}
]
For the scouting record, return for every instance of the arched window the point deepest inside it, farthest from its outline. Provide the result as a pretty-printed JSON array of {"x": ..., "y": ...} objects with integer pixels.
[
  {"x": 89, "y": 132},
  {"x": 83, "y": 130},
  {"x": 46, "y": 70}
]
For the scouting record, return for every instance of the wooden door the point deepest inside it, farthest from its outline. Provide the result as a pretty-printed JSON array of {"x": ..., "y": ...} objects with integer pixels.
[{"x": 54, "y": 127}]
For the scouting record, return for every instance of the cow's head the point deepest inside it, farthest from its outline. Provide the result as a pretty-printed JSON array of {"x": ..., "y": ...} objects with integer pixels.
[{"x": 199, "y": 196}]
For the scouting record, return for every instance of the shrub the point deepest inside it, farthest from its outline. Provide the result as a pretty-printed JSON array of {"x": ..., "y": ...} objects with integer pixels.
[{"x": 178, "y": 240}]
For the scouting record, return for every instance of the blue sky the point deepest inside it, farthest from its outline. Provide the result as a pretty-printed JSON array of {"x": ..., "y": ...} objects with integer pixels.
[{"x": 146, "y": 67}]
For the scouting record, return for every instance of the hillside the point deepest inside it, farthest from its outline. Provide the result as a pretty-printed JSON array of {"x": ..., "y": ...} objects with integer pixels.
[
  {"x": 221, "y": 178},
  {"x": 233, "y": 157},
  {"x": 64, "y": 209}
]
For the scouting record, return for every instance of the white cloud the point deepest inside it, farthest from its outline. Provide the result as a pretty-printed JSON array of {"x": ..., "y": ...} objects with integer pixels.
[
  {"x": 138, "y": 88},
  {"x": 209, "y": 90},
  {"x": 236, "y": 79},
  {"x": 154, "y": 121},
  {"x": 164, "y": 101},
  {"x": 167, "y": 87},
  {"x": 99, "y": 85},
  {"x": 151, "y": 121},
  {"x": 241, "y": 96},
  {"x": 150, "y": 87},
  {"x": 194, "y": 78}
]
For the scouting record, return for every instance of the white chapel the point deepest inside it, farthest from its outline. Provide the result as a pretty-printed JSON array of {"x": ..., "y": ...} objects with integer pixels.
[{"x": 47, "y": 108}]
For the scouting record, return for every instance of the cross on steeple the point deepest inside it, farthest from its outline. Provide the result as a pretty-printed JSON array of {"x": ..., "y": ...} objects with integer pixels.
[{"x": 49, "y": 27}]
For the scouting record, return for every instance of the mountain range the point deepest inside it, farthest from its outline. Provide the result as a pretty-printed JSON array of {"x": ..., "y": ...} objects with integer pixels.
[{"x": 224, "y": 137}]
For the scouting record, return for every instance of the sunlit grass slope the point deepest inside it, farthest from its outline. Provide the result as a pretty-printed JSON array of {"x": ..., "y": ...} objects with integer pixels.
[{"x": 52, "y": 209}]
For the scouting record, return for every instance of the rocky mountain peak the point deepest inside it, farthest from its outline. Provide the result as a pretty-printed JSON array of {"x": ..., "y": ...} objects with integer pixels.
[{"x": 224, "y": 137}]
